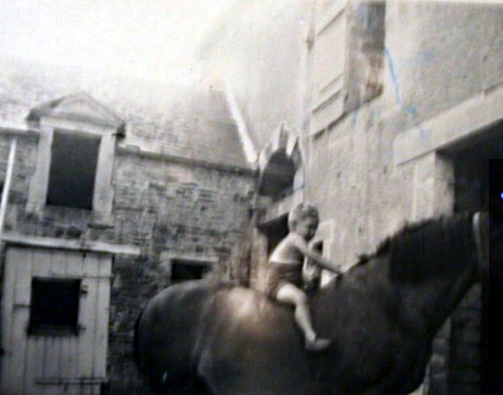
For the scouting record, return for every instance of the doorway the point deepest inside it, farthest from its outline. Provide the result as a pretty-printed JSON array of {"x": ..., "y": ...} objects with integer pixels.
[{"x": 469, "y": 323}]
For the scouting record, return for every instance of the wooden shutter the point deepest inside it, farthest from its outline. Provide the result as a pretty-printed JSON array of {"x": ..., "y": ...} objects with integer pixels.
[
  {"x": 329, "y": 63},
  {"x": 348, "y": 58}
]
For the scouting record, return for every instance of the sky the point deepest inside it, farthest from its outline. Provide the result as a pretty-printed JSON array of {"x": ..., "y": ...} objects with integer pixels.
[
  {"x": 147, "y": 39},
  {"x": 153, "y": 39}
]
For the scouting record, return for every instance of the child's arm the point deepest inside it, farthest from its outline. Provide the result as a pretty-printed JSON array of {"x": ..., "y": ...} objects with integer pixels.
[{"x": 314, "y": 256}]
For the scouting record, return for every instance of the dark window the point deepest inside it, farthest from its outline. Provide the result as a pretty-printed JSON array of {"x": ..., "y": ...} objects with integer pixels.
[
  {"x": 184, "y": 270},
  {"x": 54, "y": 308},
  {"x": 73, "y": 170},
  {"x": 278, "y": 176}
]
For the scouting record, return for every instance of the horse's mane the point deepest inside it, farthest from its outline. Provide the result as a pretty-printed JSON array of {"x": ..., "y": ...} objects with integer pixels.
[{"x": 418, "y": 251}]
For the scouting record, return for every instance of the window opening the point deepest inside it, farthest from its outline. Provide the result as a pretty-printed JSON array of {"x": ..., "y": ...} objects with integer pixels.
[
  {"x": 278, "y": 176},
  {"x": 185, "y": 270},
  {"x": 54, "y": 307},
  {"x": 73, "y": 170}
]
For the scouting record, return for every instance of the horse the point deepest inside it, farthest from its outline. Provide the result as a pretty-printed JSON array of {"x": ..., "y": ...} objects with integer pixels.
[{"x": 382, "y": 315}]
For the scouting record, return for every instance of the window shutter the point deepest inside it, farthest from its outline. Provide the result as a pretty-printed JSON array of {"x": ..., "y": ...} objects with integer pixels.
[
  {"x": 348, "y": 58},
  {"x": 329, "y": 63}
]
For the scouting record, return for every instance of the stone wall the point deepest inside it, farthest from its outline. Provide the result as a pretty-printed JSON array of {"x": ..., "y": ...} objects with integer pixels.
[
  {"x": 163, "y": 207},
  {"x": 437, "y": 57},
  {"x": 180, "y": 209},
  {"x": 374, "y": 196}
]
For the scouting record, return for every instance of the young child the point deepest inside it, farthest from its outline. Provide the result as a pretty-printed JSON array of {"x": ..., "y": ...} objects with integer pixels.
[{"x": 284, "y": 277}]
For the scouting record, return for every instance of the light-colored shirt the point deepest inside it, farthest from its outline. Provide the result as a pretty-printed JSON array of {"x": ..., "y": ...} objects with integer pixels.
[{"x": 289, "y": 250}]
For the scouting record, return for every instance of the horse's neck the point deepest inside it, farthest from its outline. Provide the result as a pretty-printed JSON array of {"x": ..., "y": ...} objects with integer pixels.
[
  {"x": 420, "y": 307},
  {"x": 423, "y": 306}
]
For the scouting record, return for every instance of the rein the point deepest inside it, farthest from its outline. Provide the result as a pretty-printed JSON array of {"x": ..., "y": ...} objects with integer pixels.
[{"x": 482, "y": 258}]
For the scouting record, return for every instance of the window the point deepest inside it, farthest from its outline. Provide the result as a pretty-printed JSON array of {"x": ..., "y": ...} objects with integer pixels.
[
  {"x": 54, "y": 307},
  {"x": 184, "y": 270},
  {"x": 278, "y": 176},
  {"x": 364, "y": 80},
  {"x": 73, "y": 170},
  {"x": 348, "y": 58},
  {"x": 71, "y": 131},
  {"x": 281, "y": 164}
]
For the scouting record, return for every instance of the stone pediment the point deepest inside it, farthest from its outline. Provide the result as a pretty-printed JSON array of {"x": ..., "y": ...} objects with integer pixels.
[{"x": 80, "y": 106}]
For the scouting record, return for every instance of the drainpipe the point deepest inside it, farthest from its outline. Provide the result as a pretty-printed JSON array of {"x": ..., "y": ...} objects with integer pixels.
[{"x": 6, "y": 187}]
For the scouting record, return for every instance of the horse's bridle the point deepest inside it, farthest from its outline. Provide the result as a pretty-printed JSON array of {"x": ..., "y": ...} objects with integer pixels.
[{"x": 481, "y": 245}]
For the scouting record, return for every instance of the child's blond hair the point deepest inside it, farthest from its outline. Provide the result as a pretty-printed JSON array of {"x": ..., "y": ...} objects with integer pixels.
[{"x": 302, "y": 211}]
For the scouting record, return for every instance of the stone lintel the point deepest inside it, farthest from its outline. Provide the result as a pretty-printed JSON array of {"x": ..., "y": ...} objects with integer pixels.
[
  {"x": 76, "y": 245},
  {"x": 465, "y": 121}
]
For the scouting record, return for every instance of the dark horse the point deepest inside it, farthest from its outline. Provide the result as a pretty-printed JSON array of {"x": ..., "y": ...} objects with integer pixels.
[{"x": 382, "y": 314}]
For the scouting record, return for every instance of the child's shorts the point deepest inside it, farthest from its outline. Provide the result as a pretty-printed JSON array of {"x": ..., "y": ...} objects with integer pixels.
[{"x": 279, "y": 274}]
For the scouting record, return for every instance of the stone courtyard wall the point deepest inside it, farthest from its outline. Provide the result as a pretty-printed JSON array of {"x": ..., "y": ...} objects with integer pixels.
[{"x": 167, "y": 209}]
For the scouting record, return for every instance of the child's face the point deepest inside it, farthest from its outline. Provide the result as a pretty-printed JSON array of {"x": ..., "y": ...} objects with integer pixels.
[{"x": 307, "y": 228}]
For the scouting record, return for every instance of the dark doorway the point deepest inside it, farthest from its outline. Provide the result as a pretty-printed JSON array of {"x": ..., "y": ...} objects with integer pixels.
[
  {"x": 494, "y": 345},
  {"x": 469, "y": 331},
  {"x": 471, "y": 171}
]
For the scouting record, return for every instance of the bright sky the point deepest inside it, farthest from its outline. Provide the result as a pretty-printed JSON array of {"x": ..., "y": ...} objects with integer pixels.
[{"x": 144, "y": 38}]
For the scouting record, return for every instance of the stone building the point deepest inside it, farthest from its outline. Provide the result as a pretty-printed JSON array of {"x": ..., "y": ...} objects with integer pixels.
[
  {"x": 108, "y": 204},
  {"x": 379, "y": 112}
]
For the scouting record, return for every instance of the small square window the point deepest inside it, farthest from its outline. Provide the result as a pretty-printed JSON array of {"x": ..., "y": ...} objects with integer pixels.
[
  {"x": 54, "y": 308},
  {"x": 184, "y": 270}
]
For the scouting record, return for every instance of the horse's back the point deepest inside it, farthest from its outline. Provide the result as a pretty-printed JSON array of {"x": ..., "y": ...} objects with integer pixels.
[
  {"x": 232, "y": 337},
  {"x": 252, "y": 346}
]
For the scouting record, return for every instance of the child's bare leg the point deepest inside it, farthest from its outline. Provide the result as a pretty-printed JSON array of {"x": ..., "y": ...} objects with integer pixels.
[{"x": 289, "y": 293}]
